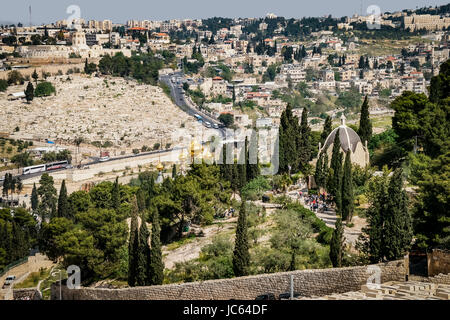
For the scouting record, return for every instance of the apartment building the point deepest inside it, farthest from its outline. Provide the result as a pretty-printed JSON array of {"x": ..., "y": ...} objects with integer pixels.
[
  {"x": 426, "y": 21},
  {"x": 295, "y": 72}
]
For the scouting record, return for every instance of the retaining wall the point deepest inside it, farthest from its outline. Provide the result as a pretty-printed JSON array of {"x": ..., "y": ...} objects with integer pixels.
[{"x": 306, "y": 282}]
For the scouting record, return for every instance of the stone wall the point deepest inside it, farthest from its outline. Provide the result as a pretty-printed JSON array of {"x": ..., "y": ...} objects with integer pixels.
[
  {"x": 441, "y": 279},
  {"x": 438, "y": 262},
  {"x": 27, "y": 294},
  {"x": 51, "y": 68},
  {"x": 306, "y": 283}
]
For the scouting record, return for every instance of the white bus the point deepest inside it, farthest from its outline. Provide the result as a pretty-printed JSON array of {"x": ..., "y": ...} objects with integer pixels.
[
  {"x": 57, "y": 165},
  {"x": 34, "y": 169}
]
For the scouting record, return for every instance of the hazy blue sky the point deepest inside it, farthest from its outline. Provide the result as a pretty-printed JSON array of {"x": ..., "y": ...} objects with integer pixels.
[{"x": 120, "y": 11}]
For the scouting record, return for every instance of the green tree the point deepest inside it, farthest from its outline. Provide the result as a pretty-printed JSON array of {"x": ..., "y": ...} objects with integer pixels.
[
  {"x": 252, "y": 157},
  {"x": 337, "y": 244},
  {"x": 335, "y": 181},
  {"x": 241, "y": 255},
  {"x": 431, "y": 219},
  {"x": 365, "y": 125},
  {"x": 347, "y": 194},
  {"x": 227, "y": 119},
  {"x": 3, "y": 85},
  {"x": 15, "y": 77},
  {"x": 64, "y": 210},
  {"x": 133, "y": 247},
  {"x": 34, "y": 198},
  {"x": 288, "y": 146},
  {"x": 47, "y": 194},
  {"x": 143, "y": 254},
  {"x": 35, "y": 76},
  {"x": 318, "y": 175},
  {"x": 29, "y": 92},
  {"x": 115, "y": 195},
  {"x": 304, "y": 141},
  {"x": 440, "y": 87},
  {"x": 44, "y": 89},
  {"x": 174, "y": 171},
  {"x": 398, "y": 223},
  {"x": 327, "y": 128},
  {"x": 156, "y": 265}
]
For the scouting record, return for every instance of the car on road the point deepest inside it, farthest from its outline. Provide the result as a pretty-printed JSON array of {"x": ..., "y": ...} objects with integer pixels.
[
  {"x": 216, "y": 126},
  {"x": 266, "y": 296},
  {"x": 103, "y": 159},
  {"x": 207, "y": 124},
  {"x": 8, "y": 281},
  {"x": 287, "y": 296}
]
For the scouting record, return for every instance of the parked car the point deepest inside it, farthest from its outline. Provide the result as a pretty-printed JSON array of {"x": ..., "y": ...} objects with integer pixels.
[
  {"x": 287, "y": 296},
  {"x": 266, "y": 296},
  {"x": 8, "y": 281}
]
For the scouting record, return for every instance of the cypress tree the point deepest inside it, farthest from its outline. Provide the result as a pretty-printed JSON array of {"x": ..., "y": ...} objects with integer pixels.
[
  {"x": 334, "y": 181},
  {"x": 347, "y": 190},
  {"x": 372, "y": 245},
  {"x": 318, "y": 176},
  {"x": 174, "y": 171},
  {"x": 241, "y": 255},
  {"x": 133, "y": 246},
  {"x": 325, "y": 171},
  {"x": 242, "y": 167},
  {"x": 115, "y": 195},
  {"x": 252, "y": 157},
  {"x": 365, "y": 125},
  {"x": 337, "y": 244},
  {"x": 35, "y": 76},
  {"x": 34, "y": 198},
  {"x": 288, "y": 145},
  {"x": 143, "y": 255},
  {"x": 397, "y": 233},
  {"x": 304, "y": 146},
  {"x": 327, "y": 128},
  {"x": 63, "y": 203},
  {"x": 141, "y": 201},
  {"x": 29, "y": 92},
  {"x": 235, "y": 180},
  {"x": 156, "y": 265}
]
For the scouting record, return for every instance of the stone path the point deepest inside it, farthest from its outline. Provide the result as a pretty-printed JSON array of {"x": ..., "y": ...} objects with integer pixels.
[
  {"x": 329, "y": 217},
  {"x": 192, "y": 249}
]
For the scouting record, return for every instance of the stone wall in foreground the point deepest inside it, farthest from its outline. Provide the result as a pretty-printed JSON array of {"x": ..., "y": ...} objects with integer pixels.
[
  {"x": 306, "y": 282},
  {"x": 438, "y": 262}
]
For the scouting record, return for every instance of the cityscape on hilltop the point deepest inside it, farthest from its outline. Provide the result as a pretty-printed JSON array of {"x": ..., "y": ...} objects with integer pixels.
[{"x": 224, "y": 159}]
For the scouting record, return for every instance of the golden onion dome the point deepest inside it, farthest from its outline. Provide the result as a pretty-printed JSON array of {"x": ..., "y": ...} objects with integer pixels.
[{"x": 160, "y": 167}]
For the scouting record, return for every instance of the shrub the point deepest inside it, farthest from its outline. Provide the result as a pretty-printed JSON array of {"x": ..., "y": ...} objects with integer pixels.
[
  {"x": 3, "y": 85},
  {"x": 44, "y": 89},
  {"x": 255, "y": 189},
  {"x": 15, "y": 77}
]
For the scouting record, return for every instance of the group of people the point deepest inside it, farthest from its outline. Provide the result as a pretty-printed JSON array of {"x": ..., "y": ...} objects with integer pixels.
[{"x": 316, "y": 203}]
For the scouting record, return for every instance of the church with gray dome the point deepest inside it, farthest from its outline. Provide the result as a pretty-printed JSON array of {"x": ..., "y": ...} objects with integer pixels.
[{"x": 350, "y": 140}]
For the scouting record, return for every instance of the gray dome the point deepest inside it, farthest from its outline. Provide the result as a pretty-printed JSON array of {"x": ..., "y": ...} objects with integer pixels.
[{"x": 348, "y": 137}]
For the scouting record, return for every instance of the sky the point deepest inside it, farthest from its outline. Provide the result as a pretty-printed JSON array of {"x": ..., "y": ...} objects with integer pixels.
[{"x": 47, "y": 11}]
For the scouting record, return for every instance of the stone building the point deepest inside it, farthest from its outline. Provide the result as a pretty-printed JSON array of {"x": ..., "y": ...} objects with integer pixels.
[{"x": 349, "y": 141}]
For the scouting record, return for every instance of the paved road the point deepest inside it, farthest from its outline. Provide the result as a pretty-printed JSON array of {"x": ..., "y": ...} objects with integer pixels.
[
  {"x": 184, "y": 103},
  {"x": 180, "y": 100},
  {"x": 96, "y": 161}
]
